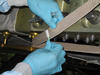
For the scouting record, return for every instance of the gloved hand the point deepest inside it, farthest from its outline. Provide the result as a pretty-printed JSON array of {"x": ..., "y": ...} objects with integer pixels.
[
  {"x": 47, "y": 60},
  {"x": 11, "y": 73},
  {"x": 4, "y": 7},
  {"x": 48, "y": 10}
]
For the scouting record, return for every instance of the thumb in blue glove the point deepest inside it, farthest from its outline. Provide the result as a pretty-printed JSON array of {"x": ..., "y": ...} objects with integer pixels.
[
  {"x": 48, "y": 10},
  {"x": 47, "y": 60}
]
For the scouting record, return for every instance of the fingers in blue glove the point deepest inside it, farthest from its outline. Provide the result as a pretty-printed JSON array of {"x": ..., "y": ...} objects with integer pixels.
[
  {"x": 57, "y": 69},
  {"x": 53, "y": 19},
  {"x": 52, "y": 45},
  {"x": 48, "y": 44},
  {"x": 61, "y": 59},
  {"x": 50, "y": 20},
  {"x": 57, "y": 49},
  {"x": 56, "y": 46},
  {"x": 60, "y": 16}
]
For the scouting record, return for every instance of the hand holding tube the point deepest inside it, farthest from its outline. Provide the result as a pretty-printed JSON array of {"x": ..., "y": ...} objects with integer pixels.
[{"x": 47, "y": 60}]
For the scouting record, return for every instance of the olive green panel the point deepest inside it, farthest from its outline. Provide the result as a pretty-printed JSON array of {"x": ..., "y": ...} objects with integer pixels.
[
  {"x": 22, "y": 22},
  {"x": 64, "y": 7},
  {"x": 74, "y": 4},
  {"x": 71, "y": 6},
  {"x": 84, "y": 26}
]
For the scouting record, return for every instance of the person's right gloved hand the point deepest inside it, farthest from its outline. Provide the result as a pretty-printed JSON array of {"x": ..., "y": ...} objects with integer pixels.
[
  {"x": 4, "y": 7},
  {"x": 48, "y": 10},
  {"x": 47, "y": 60}
]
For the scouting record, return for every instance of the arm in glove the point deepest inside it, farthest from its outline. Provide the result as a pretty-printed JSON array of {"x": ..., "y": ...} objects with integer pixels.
[
  {"x": 47, "y": 60},
  {"x": 20, "y": 69},
  {"x": 5, "y": 5},
  {"x": 48, "y": 10}
]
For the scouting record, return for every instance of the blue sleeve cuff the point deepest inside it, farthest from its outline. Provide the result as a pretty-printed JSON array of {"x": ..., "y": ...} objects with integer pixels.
[{"x": 4, "y": 7}]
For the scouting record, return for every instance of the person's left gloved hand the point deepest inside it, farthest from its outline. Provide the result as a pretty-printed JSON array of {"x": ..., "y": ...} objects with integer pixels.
[
  {"x": 47, "y": 60},
  {"x": 4, "y": 7},
  {"x": 48, "y": 10}
]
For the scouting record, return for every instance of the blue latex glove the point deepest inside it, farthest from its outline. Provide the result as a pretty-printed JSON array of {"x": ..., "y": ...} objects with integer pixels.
[
  {"x": 11, "y": 73},
  {"x": 4, "y": 7},
  {"x": 47, "y": 60},
  {"x": 48, "y": 10}
]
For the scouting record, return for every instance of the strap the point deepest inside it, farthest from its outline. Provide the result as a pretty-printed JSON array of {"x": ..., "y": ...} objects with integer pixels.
[
  {"x": 67, "y": 21},
  {"x": 69, "y": 47}
]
